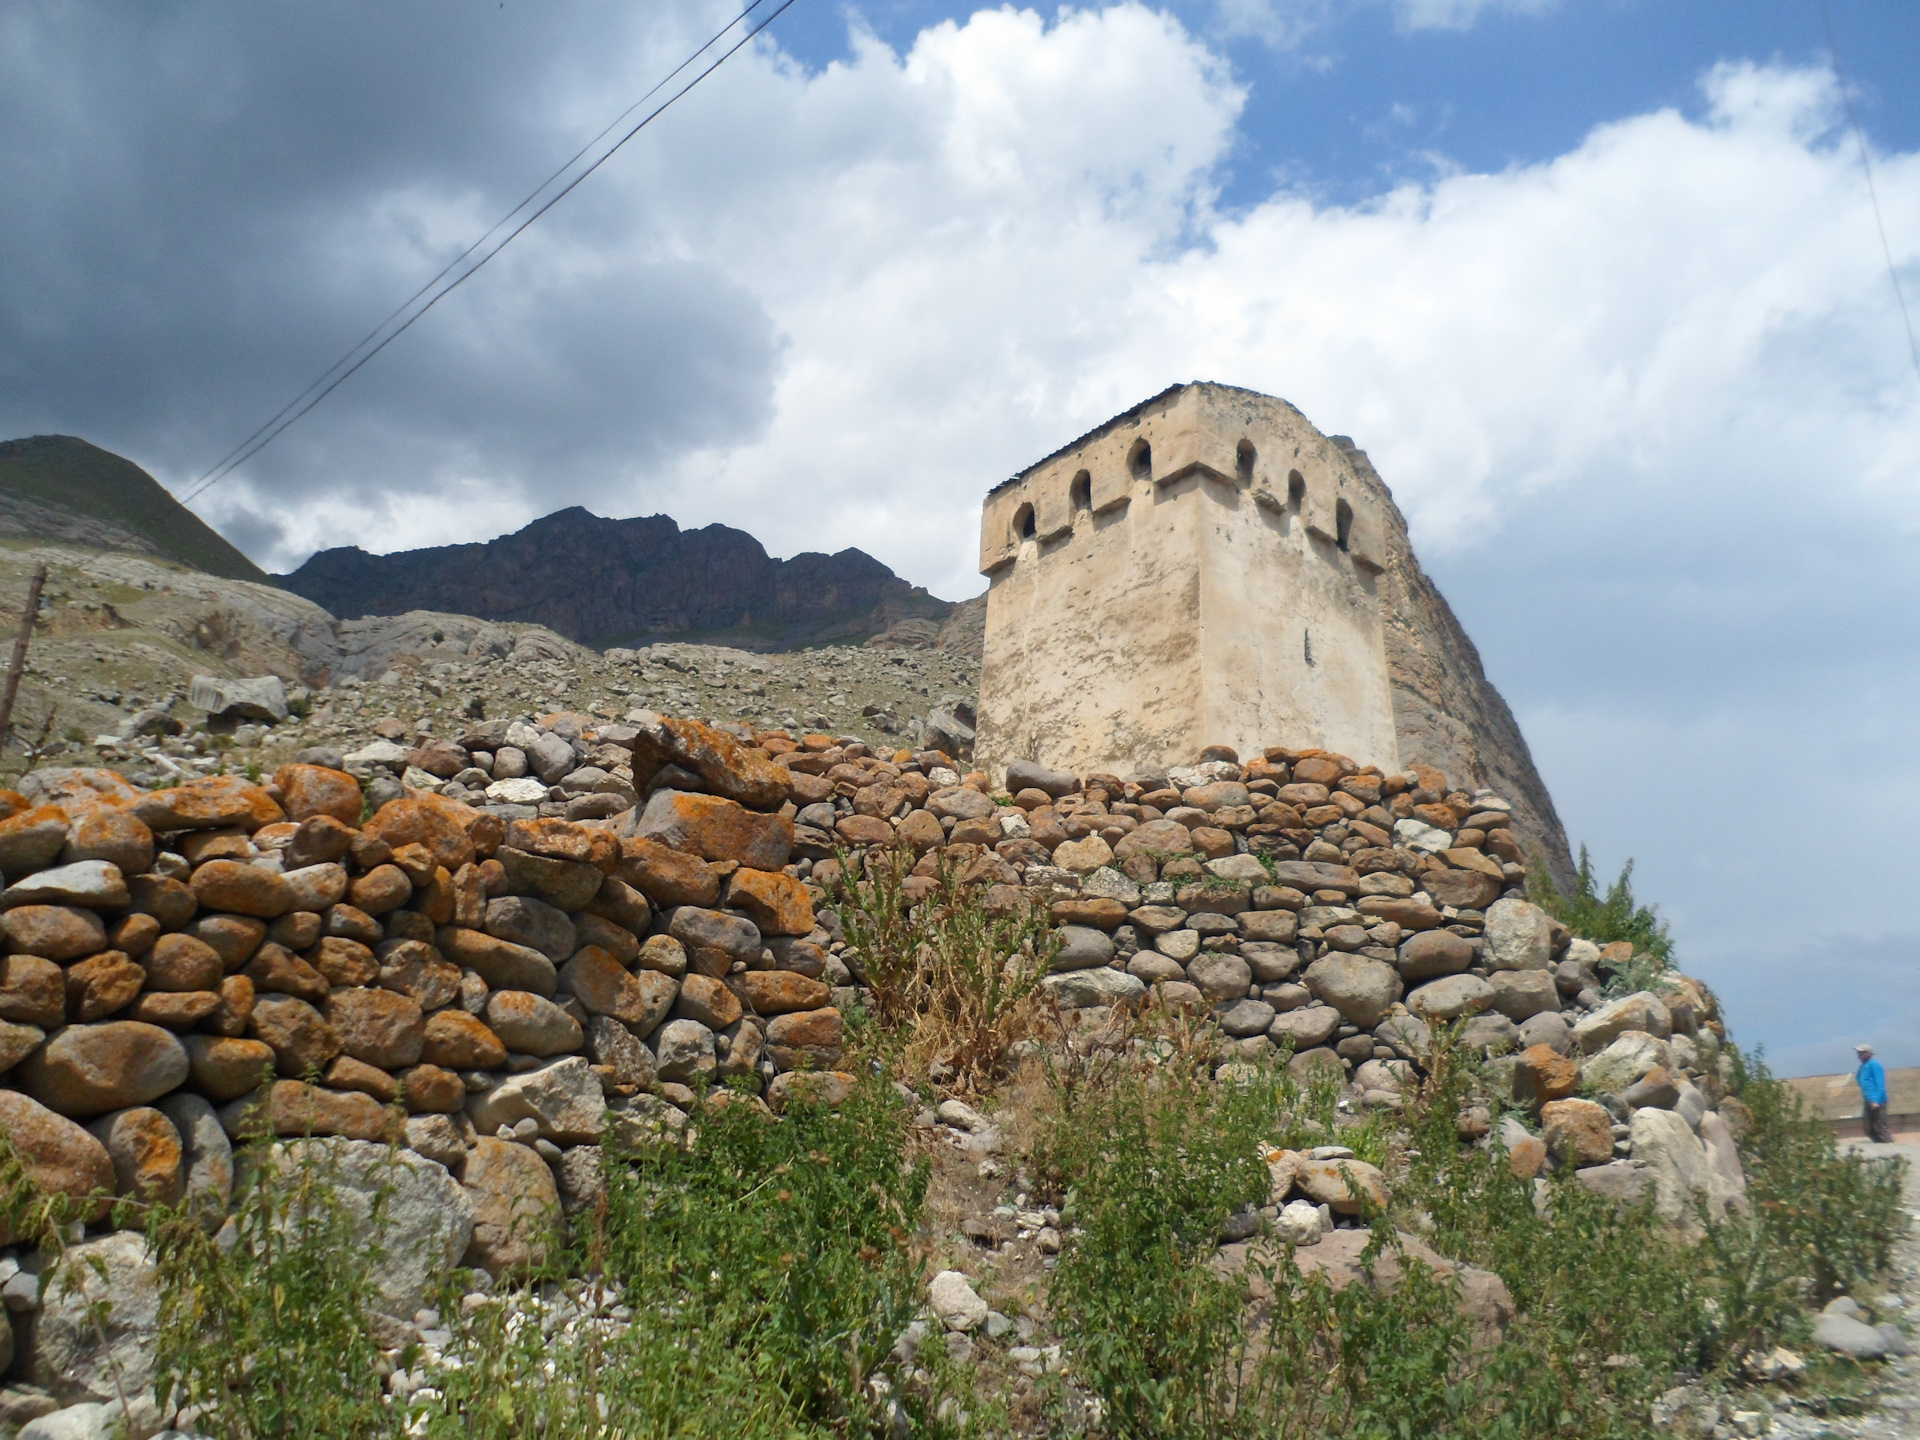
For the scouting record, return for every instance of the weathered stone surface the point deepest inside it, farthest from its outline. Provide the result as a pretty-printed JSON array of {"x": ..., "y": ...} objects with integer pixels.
[
  {"x": 1629, "y": 1057},
  {"x": 714, "y": 941},
  {"x": 206, "y": 1154},
  {"x": 666, "y": 876},
  {"x": 382, "y": 889},
  {"x": 1306, "y": 1028},
  {"x": 315, "y": 887},
  {"x": 55, "y": 932},
  {"x": 503, "y": 964},
  {"x": 32, "y": 991},
  {"x": 169, "y": 901},
  {"x": 439, "y": 824},
  {"x": 562, "y": 1098},
  {"x": 93, "y": 1338},
  {"x": 605, "y": 987},
  {"x": 1361, "y": 989},
  {"x": 406, "y": 1208},
  {"x": 515, "y": 1206},
  {"x": 708, "y": 1001},
  {"x": 619, "y": 1053},
  {"x": 87, "y": 1070},
  {"x": 811, "y": 1039},
  {"x": 416, "y": 970},
  {"x": 1519, "y": 936},
  {"x": 716, "y": 828},
  {"x": 1348, "y": 1187},
  {"x": 777, "y": 992},
  {"x": 1221, "y": 978},
  {"x": 60, "y": 1157},
  {"x": 1522, "y": 994},
  {"x": 809, "y": 1087},
  {"x": 460, "y": 1041},
  {"x": 1577, "y": 1132},
  {"x": 1432, "y": 953},
  {"x": 182, "y": 962},
  {"x": 725, "y": 766},
  {"x": 1541, "y": 1075},
  {"x": 684, "y": 1051},
  {"x": 954, "y": 1301},
  {"x": 378, "y": 1026},
  {"x": 32, "y": 838},
  {"x": 300, "y": 1037},
  {"x": 522, "y": 920},
  {"x": 1641, "y": 1010},
  {"x": 1156, "y": 840},
  {"x": 227, "y": 1067},
  {"x": 97, "y": 987},
  {"x": 1727, "y": 1179},
  {"x": 532, "y": 1025},
  {"x": 149, "y": 1161},
  {"x": 1081, "y": 989},
  {"x": 289, "y": 1107},
  {"x": 243, "y": 888},
  {"x": 1673, "y": 1154},
  {"x": 564, "y": 884},
  {"x": 233, "y": 938},
  {"x": 776, "y": 904},
  {"x": 1461, "y": 889},
  {"x": 95, "y": 884},
  {"x": 1447, "y": 999},
  {"x": 310, "y": 790}
]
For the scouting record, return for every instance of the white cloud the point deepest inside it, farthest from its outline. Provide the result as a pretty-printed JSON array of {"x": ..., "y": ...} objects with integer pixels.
[{"x": 1461, "y": 14}]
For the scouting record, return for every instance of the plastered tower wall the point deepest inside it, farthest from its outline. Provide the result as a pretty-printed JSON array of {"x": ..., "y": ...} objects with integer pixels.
[{"x": 1209, "y": 568}]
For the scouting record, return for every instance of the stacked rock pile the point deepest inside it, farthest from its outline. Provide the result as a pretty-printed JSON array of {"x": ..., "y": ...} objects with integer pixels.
[
  {"x": 1304, "y": 901},
  {"x": 494, "y": 990}
]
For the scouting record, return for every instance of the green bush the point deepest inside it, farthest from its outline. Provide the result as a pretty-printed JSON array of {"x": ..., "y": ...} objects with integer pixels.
[
  {"x": 1604, "y": 919},
  {"x": 266, "y": 1331}
]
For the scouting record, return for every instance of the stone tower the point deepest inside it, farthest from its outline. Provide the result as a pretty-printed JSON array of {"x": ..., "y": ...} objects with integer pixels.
[{"x": 1208, "y": 568}]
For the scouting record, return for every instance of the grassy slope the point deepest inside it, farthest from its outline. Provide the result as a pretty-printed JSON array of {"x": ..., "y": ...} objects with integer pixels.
[{"x": 63, "y": 470}]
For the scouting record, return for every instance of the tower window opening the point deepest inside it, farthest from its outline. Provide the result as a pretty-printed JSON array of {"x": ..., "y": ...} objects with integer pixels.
[
  {"x": 1342, "y": 524},
  {"x": 1243, "y": 458},
  {"x": 1080, "y": 492},
  {"x": 1140, "y": 460},
  {"x": 1296, "y": 488},
  {"x": 1023, "y": 525}
]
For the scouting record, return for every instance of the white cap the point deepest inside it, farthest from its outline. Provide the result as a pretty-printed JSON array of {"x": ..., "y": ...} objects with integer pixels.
[{"x": 1863, "y": 1049}]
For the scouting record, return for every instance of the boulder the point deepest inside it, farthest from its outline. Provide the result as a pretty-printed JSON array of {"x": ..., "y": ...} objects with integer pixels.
[
  {"x": 1083, "y": 989},
  {"x": 1434, "y": 952},
  {"x": 1308, "y": 1027},
  {"x": 563, "y": 1098},
  {"x": 714, "y": 940},
  {"x": 87, "y": 1070},
  {"x": 1577, "y": 1132},
  {"x": 1520, "y": 994},
  {"x": 149, "y": 1161},
  {"x": 94, "y": 884},
  {"x": 261, "y": 697},
  {"x": 310, "y": 790},
  {"x": 776, "y": 904},
  {"x": 532, "y": 1025},
  {"x": 1445, "y": 1000},
  {"x": 54, "y": 932},
  {"x": 1361, "y": 989},
  {"x": 955, "y": 1302},
  {"x": 812, "y": 1039},
  {"x": 515, "y": 1206},
  {"x": 605, "y": 987},
  {"x": 226, "y": 1067},
  {"x": 1682, "y": 1177},
  {"x": 503, "y": 964},
  {"x": 60, "y": 1157},
  {"x": 290, "y": 1107},
  {"x": 93, "y": 1338},
  {"x": 379, "y": 1027},
  {"x": 1542, "y": 1075},
  {"x": 522, "y": 920},
  {"x": 1642, "y": 1010},
  {"x": 1081, "y": 948},
  {"x": 1222, "y": 978},
  {"x": 684, "y": 1051},
  {"x": 1348, "y": 1187},
  {"x": 1631, "y": 1055},
  {"x": 716, "y": 828},
  {"x": 205, "y": 1152}
]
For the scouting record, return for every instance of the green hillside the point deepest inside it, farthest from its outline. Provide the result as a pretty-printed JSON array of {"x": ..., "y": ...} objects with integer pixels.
[{"x": 66, "y": 471}]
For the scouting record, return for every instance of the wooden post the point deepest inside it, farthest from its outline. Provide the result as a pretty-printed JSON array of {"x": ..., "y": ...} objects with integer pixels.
[{"x": 19, "y": 664}]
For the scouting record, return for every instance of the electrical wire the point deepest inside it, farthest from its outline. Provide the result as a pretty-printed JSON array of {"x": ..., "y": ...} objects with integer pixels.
[
  {"x": 267, "y": 433},
  {"x": 1873, "y": 193}
]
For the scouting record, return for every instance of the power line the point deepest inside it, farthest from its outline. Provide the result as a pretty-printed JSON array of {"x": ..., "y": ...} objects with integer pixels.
[
  {"x": 1873, "y": 193},
  {"x": 294, "y": 409}
]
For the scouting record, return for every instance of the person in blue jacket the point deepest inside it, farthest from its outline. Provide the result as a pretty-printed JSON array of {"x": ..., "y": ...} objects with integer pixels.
[{"x": 1871, "y": 1077}]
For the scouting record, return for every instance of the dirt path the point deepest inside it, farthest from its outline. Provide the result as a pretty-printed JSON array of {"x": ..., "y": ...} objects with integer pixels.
[{"x": 1895, "y": 1414}]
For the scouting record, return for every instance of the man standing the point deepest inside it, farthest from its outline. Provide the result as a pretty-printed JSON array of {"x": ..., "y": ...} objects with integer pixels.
[{"x": 1872, "y": 1080}]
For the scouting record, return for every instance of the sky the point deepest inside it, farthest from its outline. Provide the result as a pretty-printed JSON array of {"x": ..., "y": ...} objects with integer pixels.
[{"x": 1598, "y": 284}]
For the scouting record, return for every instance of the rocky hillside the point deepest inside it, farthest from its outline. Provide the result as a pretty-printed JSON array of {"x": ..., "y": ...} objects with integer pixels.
[
  {"x": 628, "y": 582},
  {"x": 59, "y": 488}
]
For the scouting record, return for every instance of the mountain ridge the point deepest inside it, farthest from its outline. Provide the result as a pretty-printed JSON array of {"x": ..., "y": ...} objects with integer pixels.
[{"x": 633, "y": 581}]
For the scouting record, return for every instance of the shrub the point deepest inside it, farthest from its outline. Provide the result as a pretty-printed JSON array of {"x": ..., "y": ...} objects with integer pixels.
[
  {"x": 266, "y": 1331},
  {"x": 953, "y": 975},
  {"x": 1603, "y": 919}
]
